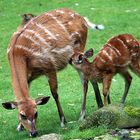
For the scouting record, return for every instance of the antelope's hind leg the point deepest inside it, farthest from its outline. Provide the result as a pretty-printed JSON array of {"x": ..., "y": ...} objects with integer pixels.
[{"x": 127, "y": 77}]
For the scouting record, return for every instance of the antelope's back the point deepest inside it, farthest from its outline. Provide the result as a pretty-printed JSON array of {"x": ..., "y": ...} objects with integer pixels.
[
  {"x": 53, "y": 36},
  {"x": 118, "y": 52}
]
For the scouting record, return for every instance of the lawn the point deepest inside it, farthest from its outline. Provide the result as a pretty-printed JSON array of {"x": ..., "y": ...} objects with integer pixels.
[{"x": 118, "y": 16}]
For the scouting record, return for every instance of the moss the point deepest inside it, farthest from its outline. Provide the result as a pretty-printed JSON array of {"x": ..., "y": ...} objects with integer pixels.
[
  {"x": 113, "y": 116},
  {"x": 132, "y": 112}
]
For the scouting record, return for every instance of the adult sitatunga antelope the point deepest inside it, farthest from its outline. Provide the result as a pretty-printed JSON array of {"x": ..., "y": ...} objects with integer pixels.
[
  {"x": 117, "y": 55},
  {"x": 43, "y": 46}
]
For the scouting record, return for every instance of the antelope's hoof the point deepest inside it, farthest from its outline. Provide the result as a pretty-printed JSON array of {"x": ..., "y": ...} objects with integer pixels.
[
  {"x": 63, "y": 122},
  {"x": 82, "y": 116}
]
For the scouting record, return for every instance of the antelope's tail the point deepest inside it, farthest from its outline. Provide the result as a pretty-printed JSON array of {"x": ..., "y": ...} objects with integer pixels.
[{"x": 93, "y": 26}]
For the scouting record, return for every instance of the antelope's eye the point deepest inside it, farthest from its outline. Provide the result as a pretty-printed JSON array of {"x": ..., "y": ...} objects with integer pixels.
[
  {"x": 36, "y": 114},
  {"x": 23, "y": 117}
]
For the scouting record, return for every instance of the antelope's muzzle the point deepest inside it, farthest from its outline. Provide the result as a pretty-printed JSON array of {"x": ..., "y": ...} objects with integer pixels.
[{"x": 33, "y": 134}]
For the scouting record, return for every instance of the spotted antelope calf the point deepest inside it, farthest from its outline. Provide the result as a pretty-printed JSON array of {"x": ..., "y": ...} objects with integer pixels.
[
  {"x": 43, "y": 46},
  {"x": 117, "y": 55}
]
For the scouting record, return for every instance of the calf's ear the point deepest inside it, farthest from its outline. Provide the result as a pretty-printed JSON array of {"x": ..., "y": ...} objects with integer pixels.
[{"x": 89, "y": 53}]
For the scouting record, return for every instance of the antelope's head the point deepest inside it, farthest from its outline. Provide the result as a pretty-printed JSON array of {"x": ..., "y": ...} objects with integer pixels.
[
  {"x": 27, "y": 113},
  {"x": 78, "y": 59}
]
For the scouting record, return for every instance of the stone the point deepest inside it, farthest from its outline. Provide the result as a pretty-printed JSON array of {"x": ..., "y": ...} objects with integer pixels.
[
  {"x": 113, "y": 116},
  {"x": 52, "y": 136}
]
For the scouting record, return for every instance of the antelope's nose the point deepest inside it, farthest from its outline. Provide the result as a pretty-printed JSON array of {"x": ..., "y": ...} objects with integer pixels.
[{"x": 33, "y": 134}]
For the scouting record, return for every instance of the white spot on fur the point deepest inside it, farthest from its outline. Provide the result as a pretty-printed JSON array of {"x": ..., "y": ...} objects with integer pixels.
[
  {"x": 60, "y": 11},
  {"x": 50, "y": 38},
  {"x": 130, "y": 40},
  {"x": 75, "y": 33},
  {"x": 57, "y": 35},
  {"x": 21, "y": 112},
  {"x": 70, "y": 23},
  {"x": 72, "y": 15}
]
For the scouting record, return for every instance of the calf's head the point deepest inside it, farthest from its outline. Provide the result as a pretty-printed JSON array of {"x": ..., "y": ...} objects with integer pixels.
[
  {"x": 27, "y": 113},
  {"x": 78, "y": 59}
]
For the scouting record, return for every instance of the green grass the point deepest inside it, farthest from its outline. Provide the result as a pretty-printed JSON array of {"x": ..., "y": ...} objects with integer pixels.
[{"x": 118, "y": 16}]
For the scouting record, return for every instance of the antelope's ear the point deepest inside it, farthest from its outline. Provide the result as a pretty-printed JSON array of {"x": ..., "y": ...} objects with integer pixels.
[
  {"x": 42, "y": 100},
  {"x": 89, "y": 53},
  {"x": 9, "y": 105}
]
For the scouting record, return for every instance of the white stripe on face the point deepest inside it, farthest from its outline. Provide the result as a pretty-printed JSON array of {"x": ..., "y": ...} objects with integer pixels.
[
  {"x": 38, "y": 36},
  {"x": 45, "y": 30},
  {"x": 106, "y": 53},
  {"x": 29, "y": 122},
  {"x": 58, "y": 22}
]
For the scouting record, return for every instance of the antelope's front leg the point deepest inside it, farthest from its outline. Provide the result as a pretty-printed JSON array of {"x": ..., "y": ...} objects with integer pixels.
[
  {"x": 85, "y": 88},
  {"x": 53, "y": 87},
  {"x": 106, "y": 86}
]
